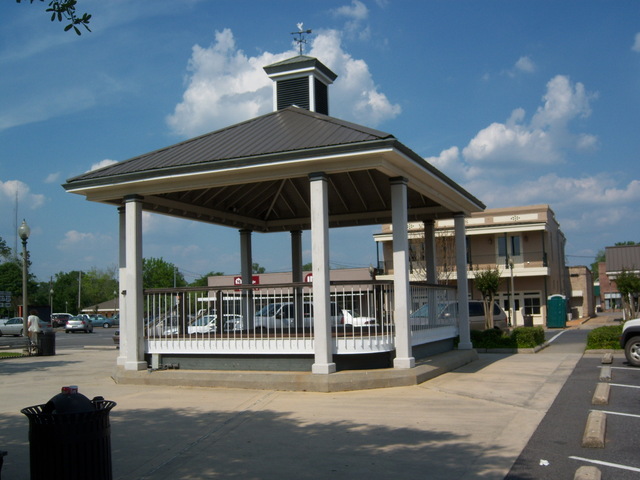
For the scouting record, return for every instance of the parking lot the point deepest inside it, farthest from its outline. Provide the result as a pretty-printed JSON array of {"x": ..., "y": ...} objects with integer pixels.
[{"x": 556, "y": 449}]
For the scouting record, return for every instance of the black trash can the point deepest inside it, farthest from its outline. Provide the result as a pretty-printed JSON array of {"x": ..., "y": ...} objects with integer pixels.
[
  {"x": 70, "y": 437},
  {"x": 47, "y": 343}
]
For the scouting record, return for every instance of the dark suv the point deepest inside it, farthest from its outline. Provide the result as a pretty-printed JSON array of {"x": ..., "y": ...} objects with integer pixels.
[{"x": 60, "y": 319}]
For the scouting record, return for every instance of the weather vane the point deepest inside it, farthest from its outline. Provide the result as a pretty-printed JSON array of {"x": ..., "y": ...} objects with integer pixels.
[{"x": 301, "y": 39}]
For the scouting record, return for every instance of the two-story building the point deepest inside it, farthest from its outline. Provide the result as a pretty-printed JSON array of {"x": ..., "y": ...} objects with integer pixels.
[{"x": 524, "y": 243}]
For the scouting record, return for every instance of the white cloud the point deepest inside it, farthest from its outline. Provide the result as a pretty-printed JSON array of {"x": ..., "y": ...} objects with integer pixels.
[
  {"x": 225, "y": 86},
  {"x": 525, "y": 64},
  {"x": 52, "y": 178},
  {"x": 15, "y": 189},
  {"x": 356, "y": 14},
  {"x": 74, "y": 239},
  {"x": 356, "y": 11},
  {"x": 541, "y": 142},
  {"x": 101, "y": 164},
  {"x": 636, "y": 43}
]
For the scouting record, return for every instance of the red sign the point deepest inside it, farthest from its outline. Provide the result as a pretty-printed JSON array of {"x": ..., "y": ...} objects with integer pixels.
[
  {"x": 255, "y": 280},
  {"x": 308, "y": 278}
]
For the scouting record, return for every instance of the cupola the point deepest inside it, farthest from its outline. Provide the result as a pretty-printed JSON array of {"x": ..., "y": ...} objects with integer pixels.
[{"x": 301, "y": 81}]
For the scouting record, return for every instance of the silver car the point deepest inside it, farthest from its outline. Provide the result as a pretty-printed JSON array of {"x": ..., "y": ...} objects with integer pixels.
[{"x": 79, "y": 324}]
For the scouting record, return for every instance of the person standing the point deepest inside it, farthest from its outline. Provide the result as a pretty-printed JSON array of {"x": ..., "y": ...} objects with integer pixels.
[{"x": 33, "y": 326}]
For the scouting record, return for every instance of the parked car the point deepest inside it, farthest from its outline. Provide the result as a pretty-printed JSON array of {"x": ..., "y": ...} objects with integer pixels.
[
  {"x": 13, "y": 326},
  {"x": 348, "y": 320},
  {"x": 282, "y": 315},
  {"x": 81, "y": 323},
  {"x": 101, "y": 321},
  {"x": 204, "y": 324},
  {"x": 477, "y": 320},
  {"x": 208, "y": 323},
  {"x": 234, "y": 323},
  {"x": 59, "y": 319},
  {"x": 630, "y": 341}
]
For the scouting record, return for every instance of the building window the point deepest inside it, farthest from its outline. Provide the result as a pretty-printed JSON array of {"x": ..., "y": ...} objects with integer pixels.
[
  {"x": 532, "y": 305},
  {"x": 509, "y": 246}
]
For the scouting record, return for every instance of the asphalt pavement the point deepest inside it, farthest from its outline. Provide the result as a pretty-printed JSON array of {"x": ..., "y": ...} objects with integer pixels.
[{"x": 471, "y": 423}]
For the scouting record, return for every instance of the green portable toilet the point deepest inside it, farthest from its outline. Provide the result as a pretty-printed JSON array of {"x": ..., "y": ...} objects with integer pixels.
[{"x": 557, "y": 311}]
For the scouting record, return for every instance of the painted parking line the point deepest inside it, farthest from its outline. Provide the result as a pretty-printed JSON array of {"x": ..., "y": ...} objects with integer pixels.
[
  {"x": 626, "y": 368},
  {"x": 555, "y": 336},
  {"x": 618, "y": 413},
  {"x": 623, "y": 385},
  {"x": 606, "y": 464}
]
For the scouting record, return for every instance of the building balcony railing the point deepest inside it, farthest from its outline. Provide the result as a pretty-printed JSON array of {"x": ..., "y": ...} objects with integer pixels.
[
  {"x": 527, "y": 260},
  {"x": 279, "y": 319}
]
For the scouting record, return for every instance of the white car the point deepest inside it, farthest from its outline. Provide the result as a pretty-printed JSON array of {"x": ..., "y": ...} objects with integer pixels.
[
  {"x": 204, "y": 324},
  {"x": 348, "y": 320}
]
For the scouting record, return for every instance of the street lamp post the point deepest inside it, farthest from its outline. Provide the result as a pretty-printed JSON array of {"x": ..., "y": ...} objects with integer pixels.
[{"x": 23, "y": 233}]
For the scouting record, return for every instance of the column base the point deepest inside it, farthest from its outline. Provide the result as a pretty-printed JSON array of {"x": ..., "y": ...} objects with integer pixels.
[
  {"x": 465, "y": 346},
  {"x": 408, "y": 362},
  {"x": 135, "y": 366},
  {"x": 323, "y": 368},
  {"x": 121, "y": 360}
]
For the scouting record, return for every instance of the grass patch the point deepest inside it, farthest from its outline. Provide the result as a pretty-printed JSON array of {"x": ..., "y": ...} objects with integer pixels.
[
  {"x": 10, "y": 354},
  {"x": 604, "y": 338},
  {"x": 519, "y": 337}
]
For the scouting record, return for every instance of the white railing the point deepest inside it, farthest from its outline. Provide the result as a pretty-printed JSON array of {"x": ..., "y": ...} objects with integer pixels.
[
  {"x": 278, "y": 319},
  {"x": 434, "y": 313}
]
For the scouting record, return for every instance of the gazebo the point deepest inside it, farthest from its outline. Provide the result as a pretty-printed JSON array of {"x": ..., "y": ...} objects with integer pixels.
[{"x": 294, "y": 169}]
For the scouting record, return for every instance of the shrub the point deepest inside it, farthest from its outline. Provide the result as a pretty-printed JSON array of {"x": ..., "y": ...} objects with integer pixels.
[
  {"x": 606, "y": 337},
  {"x": 528, "y": 337},
  {"x": 520, "y": 337}
]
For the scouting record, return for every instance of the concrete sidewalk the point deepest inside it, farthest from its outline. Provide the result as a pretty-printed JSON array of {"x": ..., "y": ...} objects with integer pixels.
[{"x": 470, "y": 423}]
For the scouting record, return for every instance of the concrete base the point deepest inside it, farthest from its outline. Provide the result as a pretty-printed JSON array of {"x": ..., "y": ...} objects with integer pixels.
[{"x": 347, "y": 380}]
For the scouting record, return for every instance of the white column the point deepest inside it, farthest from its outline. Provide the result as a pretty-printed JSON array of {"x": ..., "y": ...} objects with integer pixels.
[
  {"x": 404, "y": 354},
  {"x": 323, "y": 348},
  {"x": 463, "y": 284},
  {"x": 246, "y": 271},
  {"x": 134, "y": 300},
  {"x": 122, "y": 287}
]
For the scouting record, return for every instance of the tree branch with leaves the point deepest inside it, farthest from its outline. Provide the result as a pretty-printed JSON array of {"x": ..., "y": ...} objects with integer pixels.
[{"x": 65, "y": 10}]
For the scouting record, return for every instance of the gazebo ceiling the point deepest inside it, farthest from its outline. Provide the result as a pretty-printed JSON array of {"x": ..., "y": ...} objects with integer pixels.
[{"x": 255, "y": 175}]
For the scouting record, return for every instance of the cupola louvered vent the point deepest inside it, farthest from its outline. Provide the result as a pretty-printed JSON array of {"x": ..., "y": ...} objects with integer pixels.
[
  {"x": 294, "y": 91},
  {"x": 301, "y": 81}
]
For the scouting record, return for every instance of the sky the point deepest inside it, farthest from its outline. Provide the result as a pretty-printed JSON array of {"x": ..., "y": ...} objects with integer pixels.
[{"x": 521, "y": 103}]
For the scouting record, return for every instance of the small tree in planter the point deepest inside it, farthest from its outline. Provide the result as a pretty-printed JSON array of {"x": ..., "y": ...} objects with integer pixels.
[
  {"x": 628, "y": 284},
  {"x": 487, "y": 282}
]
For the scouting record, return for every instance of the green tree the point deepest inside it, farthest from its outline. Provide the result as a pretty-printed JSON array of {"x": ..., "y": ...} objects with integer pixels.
[
  {"x": 65, "y": 292},
  {"x": 307, "y": 267},
  {"x": 203, "y": 281},
  {"x": 628, "y": 284},
  {"x": 5, "y": 251},
  {"x": 66, "y": 10},
  {"x": 99, "y": 286},
  {"x": 256, "y": 268},
  {"x": 488, "y": 282},
  {"x": 158, "y": 273},
  {"x": 600, "y": 257},
  {"x": 11, "y": 281}
]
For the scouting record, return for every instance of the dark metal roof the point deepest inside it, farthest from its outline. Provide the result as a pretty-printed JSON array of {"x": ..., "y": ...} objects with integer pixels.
[
  {"x": 255, "y": 175},
  {"x": 623, "y": 257},
  {"x": 289, "y": 130}
]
